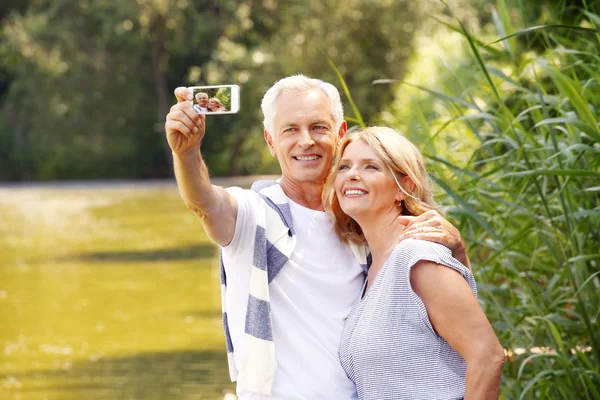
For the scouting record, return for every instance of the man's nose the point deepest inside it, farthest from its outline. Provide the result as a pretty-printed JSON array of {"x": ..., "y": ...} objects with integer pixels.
[{"x": 305, "y": 140}]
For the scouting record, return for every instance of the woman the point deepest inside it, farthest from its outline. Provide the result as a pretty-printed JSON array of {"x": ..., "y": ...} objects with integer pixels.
[
  {"x": 417, "y": 331},
  {"x": 215, "y": 105}
]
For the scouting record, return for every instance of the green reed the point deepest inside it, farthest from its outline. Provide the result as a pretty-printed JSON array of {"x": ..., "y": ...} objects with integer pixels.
[{"x": 525, "y": 192}]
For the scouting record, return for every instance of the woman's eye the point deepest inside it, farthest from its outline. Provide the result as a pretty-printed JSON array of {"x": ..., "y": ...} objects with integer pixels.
[
  {"x": 371, "y": 166},
  {"x": 343, "y": 166}
]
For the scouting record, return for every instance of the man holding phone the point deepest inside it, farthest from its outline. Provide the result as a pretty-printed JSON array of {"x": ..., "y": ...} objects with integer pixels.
[{"x": 289, "y": 281}]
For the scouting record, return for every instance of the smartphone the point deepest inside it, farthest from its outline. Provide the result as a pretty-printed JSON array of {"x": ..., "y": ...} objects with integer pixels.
[{"x": 219, "y": 99}]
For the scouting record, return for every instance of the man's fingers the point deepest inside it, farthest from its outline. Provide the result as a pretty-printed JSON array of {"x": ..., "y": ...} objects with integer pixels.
[
  {"x": 183, "y": 94},
  {"x": 414, "y": 231},
  {"x": 416, "y": 225},
  {"x": 423, "y": 234},
  {"x": 410, "y": 221},
  {"x": 201, "y": 121},
  {"x": 431, "y": 226},
  {"x": 188, "y": 120},
  {"x": 188, "y": 109},
  {"x": 178, "y": 126},
  {"x": 424, "y": 228},
  {"x": 430, "y": 220},
  {"x": 431, "y": 217},
  {"x": 405, "y": 219},
  {"x": 430, "y": 236}
]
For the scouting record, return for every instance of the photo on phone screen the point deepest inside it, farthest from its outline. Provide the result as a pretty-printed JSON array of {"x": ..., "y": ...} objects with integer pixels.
[{"x": 223, "y": 99}]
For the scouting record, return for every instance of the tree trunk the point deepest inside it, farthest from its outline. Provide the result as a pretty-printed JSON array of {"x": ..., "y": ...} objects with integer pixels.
[
  {"x": 234, "y": 170},
  {"x": 160, "y": 83}
]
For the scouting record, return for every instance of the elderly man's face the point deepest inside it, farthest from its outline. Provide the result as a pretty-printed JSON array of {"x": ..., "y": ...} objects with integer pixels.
[
  {"x": 305, "y": 137},
  {"x": 202, "y": 100}
]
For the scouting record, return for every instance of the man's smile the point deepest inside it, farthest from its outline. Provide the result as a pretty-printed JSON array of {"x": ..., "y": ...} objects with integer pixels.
[{"x": 307, "y": 157}]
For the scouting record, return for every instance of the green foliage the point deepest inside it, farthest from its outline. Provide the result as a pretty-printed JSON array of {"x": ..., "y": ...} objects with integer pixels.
[
  {"x": 513, "y": 141},
  {"x": 224, "y": 95},
  {"x": 273, "y": 39},
  {"x": 86, "y": 85}
]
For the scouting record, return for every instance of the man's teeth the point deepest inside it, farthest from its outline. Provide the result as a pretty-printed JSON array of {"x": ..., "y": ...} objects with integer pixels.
[
  {"x": 354, "y": 192},
  {"x": 306, "y": 158}
]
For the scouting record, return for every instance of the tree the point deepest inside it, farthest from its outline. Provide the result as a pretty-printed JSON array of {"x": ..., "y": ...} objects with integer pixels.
[{"x": 91, "y": 82}]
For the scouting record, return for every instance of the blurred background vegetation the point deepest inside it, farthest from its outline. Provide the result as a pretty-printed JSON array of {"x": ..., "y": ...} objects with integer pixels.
[
  {"x": 502, "y": 96},
  {"x": 85, "y": 85}
]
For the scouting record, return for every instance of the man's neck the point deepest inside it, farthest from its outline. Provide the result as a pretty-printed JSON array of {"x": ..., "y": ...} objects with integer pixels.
[{"x": 307, "y": 194}]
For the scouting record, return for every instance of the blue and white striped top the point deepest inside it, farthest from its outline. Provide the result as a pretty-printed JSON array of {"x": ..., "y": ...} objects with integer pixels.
[{"x": 389, "y": 348}]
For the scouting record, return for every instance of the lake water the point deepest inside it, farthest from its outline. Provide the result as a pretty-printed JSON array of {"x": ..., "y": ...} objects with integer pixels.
[{"x": 107, "y": 291}]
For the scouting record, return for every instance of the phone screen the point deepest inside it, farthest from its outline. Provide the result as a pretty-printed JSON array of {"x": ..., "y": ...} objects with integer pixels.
[{"x": 221, "y": 99}]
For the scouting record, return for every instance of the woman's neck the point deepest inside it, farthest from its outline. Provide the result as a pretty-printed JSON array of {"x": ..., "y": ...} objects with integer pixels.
[{"x": 381, "y": 232}]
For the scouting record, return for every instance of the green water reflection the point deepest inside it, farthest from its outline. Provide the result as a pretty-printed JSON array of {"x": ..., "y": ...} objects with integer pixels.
[{"x": 107, "y": 292}]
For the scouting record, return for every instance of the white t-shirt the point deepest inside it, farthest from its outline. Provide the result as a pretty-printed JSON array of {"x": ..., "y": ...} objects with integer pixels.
[{"x": 310, "y": 298}]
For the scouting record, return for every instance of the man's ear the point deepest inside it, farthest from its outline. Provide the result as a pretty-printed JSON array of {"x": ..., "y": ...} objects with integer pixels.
[
  {"x": 269, "y": 141},
  {"x": 343, "y": 129}
]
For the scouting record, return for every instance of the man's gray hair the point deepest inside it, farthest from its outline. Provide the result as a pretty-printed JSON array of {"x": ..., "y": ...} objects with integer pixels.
[{"x": 297, "y": 84}]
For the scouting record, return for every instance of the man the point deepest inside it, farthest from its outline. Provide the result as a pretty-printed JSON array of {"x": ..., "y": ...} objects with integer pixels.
[
  {"x": 202, "y": 100},
  {"x": 289, "y": 281}
]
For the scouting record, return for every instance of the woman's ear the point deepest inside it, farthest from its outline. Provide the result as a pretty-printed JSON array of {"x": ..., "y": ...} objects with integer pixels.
[
  {"x": 399, "y": 196},
  {"x": 408, "y": 185}
]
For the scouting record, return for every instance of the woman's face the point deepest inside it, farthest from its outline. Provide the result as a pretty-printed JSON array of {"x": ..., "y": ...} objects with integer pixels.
[
  {"x": 213, "y": 105},
  {"x": 364, "y": 185}
]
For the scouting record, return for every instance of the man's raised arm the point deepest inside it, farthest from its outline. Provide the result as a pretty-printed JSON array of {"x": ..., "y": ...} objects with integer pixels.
[{"x": 217, "y": 208}]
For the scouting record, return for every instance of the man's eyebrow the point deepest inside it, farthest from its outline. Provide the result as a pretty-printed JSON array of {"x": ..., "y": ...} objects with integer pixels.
[
  {"x": 316, "y": 122},
  {"x": 321, "y": 122}
]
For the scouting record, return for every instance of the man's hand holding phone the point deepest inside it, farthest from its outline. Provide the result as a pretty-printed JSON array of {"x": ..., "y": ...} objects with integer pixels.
[{"x": 184, "y": 126}]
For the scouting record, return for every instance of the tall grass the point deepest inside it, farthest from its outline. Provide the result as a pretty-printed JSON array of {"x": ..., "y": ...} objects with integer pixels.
[{"x": 526, "y": 199}]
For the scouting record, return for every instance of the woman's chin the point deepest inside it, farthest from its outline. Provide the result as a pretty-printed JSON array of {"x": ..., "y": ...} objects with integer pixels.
[{"x": 356, "y": 213}]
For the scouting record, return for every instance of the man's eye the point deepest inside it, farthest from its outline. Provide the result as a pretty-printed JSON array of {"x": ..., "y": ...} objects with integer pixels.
[
  {"x": 319, "y": 127},
  {"x": 289, "y": 129}
]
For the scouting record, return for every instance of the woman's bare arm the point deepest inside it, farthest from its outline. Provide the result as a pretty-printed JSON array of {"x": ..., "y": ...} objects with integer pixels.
[{"x": 457, "y": 317}]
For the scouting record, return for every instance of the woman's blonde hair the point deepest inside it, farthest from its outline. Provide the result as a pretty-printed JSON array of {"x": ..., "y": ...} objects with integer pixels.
[
  {"x": 404, "y": 161},
  {"x": 218, "y": 101}
]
